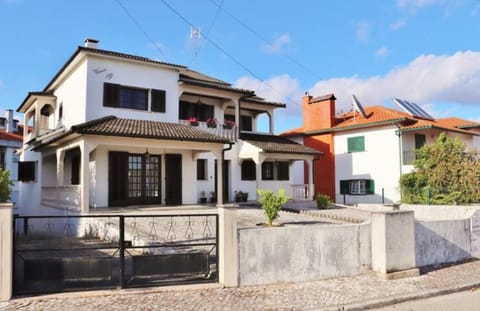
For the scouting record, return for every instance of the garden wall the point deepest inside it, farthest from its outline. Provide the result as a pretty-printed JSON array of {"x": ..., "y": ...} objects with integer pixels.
[{"x": 302, "y": 253}]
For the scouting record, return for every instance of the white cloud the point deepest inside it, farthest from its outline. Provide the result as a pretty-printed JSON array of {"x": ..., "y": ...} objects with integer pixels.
[
  {"x": 427, "y": 79},
  {"x": 383, "y": 51},
  {"x": 398, "y": 24},
  {"x": 281, "y": 88},
  {"x": 362, "y": 31},
  {"x": 413, "y": 5},
  {"x": 278, "y": 45}
]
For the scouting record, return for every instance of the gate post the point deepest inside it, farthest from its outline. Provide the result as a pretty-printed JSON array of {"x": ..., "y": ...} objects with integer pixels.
[
  {"x": 6, "y": 251},
  {"x": 228, "y": 249}
]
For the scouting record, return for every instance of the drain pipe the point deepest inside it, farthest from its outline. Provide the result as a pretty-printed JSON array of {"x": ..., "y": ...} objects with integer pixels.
[
  {"x": 398, "y": 132},
  {"x": 230, "y": 144}
]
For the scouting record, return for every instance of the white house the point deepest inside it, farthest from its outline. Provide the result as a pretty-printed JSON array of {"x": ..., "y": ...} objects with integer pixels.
[
  {"x": 366, "y": 151},
  {"x": 113, "y": 129},
  {"x": 11, "y": 138}
]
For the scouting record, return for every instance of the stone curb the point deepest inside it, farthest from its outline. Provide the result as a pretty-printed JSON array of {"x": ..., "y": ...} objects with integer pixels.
[{"x": 380, "y": 303}]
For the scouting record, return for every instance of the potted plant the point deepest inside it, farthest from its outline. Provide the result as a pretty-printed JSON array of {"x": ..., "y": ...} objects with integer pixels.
[
  {"x": 213, "y": 197},
  {"x": 193, "y": 121},
  {"x": 323, "y": 201},
  {"x": 212, "y": 122},
  {"x": 228, "y": 124},
  {"x": 238, "y": 196},
  {"x": 203, "y": 197}
]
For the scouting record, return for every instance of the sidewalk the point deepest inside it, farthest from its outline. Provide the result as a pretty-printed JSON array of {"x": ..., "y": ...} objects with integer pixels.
[{"x": 352, "y": 293}]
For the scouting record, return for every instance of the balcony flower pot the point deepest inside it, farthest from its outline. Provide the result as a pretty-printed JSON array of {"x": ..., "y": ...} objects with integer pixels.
[
  {"x": 228, "y": 124},
  {"x": 212, "y": 122}
]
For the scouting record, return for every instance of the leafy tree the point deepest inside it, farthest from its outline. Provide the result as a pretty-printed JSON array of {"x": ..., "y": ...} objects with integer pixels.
[
  {"x": 446, "y": 169},
  {"x": 5, "y": 185},
  {"x": 271, "y": 203}
]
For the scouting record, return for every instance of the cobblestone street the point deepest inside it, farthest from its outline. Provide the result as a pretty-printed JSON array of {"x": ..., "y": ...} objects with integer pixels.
[{"x": 355, "y": 293}]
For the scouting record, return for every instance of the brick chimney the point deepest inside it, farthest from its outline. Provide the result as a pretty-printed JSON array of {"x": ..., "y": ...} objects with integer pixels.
[
  {"x": 91, "y": 43},
  {"x": 318, "y": 112}
]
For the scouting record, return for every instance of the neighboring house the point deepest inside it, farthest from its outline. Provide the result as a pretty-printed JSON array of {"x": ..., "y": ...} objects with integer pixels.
[
  {"x": 113, "y": 129},
  {"x": 365, "y": 155},
  {"x": 11, "y": 138}
]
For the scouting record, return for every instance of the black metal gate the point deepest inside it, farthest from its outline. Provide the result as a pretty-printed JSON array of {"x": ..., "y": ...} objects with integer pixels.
[{"x": 65, "y": 253}]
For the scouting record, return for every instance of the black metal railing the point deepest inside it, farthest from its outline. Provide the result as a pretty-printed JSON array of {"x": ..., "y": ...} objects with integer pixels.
[{"x": 60, "y": 253}]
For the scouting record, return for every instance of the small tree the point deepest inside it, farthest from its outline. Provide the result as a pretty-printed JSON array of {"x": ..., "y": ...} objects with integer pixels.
[
  {"x": 5, "y": 185},
  {"x": 323, "y": 201},
  {"x": 271, "y": 203}
]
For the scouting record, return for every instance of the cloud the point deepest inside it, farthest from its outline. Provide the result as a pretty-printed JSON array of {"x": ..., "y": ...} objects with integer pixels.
[
  {"x": 414, "y": 5},
  {"x": 278, "y": 45},
  {"x": 281, "y": 88},
  {"x": 362, "y": 31},
  {"x": 425, "y": 80},
  {"x": 383, "y": 51},
  {"x": 398, "y": 24}
]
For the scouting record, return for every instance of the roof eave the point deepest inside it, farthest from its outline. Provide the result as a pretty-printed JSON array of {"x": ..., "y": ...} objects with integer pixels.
[{"x": 356, "y": 126}]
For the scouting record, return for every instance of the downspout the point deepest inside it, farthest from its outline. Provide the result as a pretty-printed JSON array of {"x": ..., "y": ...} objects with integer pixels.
[{"x": 398, "y": 132}]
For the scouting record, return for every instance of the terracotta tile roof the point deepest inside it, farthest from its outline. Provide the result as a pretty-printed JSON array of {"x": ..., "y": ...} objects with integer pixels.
[
  {"x": 113, "y": 126},
  {"x": 277, "y": 144},
  {"x": 14, "y": 136},
  {"x": 379, "y": 115}
]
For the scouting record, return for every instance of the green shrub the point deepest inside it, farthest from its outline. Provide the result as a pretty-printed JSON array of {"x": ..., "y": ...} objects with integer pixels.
[
  {"x": 5, "y": 185},
  {"x": 271, "y": 203},
  {"x": 323, "y": 201}
]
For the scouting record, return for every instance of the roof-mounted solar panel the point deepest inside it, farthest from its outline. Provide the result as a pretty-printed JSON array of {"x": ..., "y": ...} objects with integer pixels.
[
  {"x": 412, "y": 109},
  {"x": 358, "y": 107}
]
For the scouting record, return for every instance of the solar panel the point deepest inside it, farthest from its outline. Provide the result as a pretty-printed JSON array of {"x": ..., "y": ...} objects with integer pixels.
[
  {"x": 357, "y": 106},
  {"x": 412, "y": 109}
]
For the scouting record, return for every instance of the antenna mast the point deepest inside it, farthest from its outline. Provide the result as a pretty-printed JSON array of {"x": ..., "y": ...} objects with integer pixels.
[{"x": 195, "y": 34}]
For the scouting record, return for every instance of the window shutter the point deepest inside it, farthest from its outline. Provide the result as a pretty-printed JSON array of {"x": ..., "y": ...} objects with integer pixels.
[
  {"x": 283, "y": 171},
  {"x": 158, "y": 101},
  {"x": 248, "y": 170},
  {"x": 344, "y": 187},
  {"x": 370, "y": 186},
  {"x": 26, "y": 171},
  {"x": 356, "y": 144},
  {"x": 110, "y": 95}
]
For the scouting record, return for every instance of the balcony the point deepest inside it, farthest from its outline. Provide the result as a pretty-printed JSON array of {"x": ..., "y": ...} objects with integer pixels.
[
  {"x": 230, "y": 133},
  {"x": 65, "y": 197}
]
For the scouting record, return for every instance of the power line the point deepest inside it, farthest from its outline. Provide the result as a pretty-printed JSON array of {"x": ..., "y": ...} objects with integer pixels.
[
  {"x": 218, "y": 47},
  {"x": 262, "y": 38},
  {"x": 134, "y": 20}
]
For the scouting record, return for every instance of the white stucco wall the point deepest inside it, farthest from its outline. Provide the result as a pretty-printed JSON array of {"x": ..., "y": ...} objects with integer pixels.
[
  {"x": 29, "y": 199},
  {"x": 130, "y": 74},
  {"x": 380, "y": 161},
  {"x": 71, "y": 93}
]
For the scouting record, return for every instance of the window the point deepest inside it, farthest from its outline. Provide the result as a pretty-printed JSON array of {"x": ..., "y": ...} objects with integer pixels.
[
  {"x": 356, "y": 144},
  {"x": 199, "y": 110},
  {"x": 246, "y": 123},
  {"x": 420, "y": 140},
  {"x": 249, "y": 170},
  {"x": 267, "y": 171},
  {"x": 202, "y": 169},
  {"x": 26, "y": 171},
  {"x": 357, "y": 186},
  {"x": 158, "y": 101},
  {"x": 283, "y": 169},
  {"x": 115, "y": 95}
]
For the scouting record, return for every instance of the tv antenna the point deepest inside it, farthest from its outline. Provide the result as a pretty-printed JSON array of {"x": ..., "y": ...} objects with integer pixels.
[{"x": 196, "y": 34}]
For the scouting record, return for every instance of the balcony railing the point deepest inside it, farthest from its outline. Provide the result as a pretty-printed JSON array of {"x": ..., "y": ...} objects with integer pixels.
[
  {"x": 300, "y": 192},
  {"x": 228, "y": 133},
  {"x": 66, "y": 197}
]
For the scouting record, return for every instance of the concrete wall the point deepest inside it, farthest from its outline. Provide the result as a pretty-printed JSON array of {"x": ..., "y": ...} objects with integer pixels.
[
  {"x": 303, "y": 253},
  {"x": 439, "y": 242}
]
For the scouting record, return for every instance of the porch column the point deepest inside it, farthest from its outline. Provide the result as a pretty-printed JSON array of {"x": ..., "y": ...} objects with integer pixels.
[
  {"x": 237, "y": 117},
  {"x": 311, "y": 186},
  {"x": 271, "y": 123},
  {"x": 258, "y": 171},
  {"x": 219, "y": 156},
  {"x": 60, "y": 166},
  {"x": 85, "y": 149}
]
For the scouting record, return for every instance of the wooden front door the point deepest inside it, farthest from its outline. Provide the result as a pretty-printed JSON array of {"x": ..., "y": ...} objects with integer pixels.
[
  {"x": 226, "y": 178},
  {"x": 173, "y": 179},
  {"x": 117, "y": 178}
]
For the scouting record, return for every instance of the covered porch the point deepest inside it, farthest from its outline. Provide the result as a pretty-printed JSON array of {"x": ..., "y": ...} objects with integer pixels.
[{"x": 90, "y": 168}]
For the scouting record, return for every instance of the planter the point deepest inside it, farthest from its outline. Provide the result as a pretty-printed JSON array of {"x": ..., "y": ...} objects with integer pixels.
[
  {"x": 211, "y": 125},
  {"x": 194, "y": 123},
  {"x": 227, "y": 127},
  {"x": 203, "y": 200}
]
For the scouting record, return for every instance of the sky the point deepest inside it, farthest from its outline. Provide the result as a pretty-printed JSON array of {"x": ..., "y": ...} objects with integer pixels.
[{"x": 424, "y": 51}]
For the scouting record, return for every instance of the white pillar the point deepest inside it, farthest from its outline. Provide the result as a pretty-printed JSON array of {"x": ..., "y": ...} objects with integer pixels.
[
  {"x": 6, "y": 249},
  {"x": 218, "y": 155},
  {"x": 60, "y": 167},
  {"x": 271, "y": 123},
  {"x": 84, "y": 177},
  {"x": 311, "y": 186},
  {"x": 237, "y": 117},
  {"x": 393, "y": 244},
  {"x": 228, "y": 246}
]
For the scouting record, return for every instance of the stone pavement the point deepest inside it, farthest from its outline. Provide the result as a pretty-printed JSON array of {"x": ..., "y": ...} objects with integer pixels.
[{"x": 346, "y": 293}]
